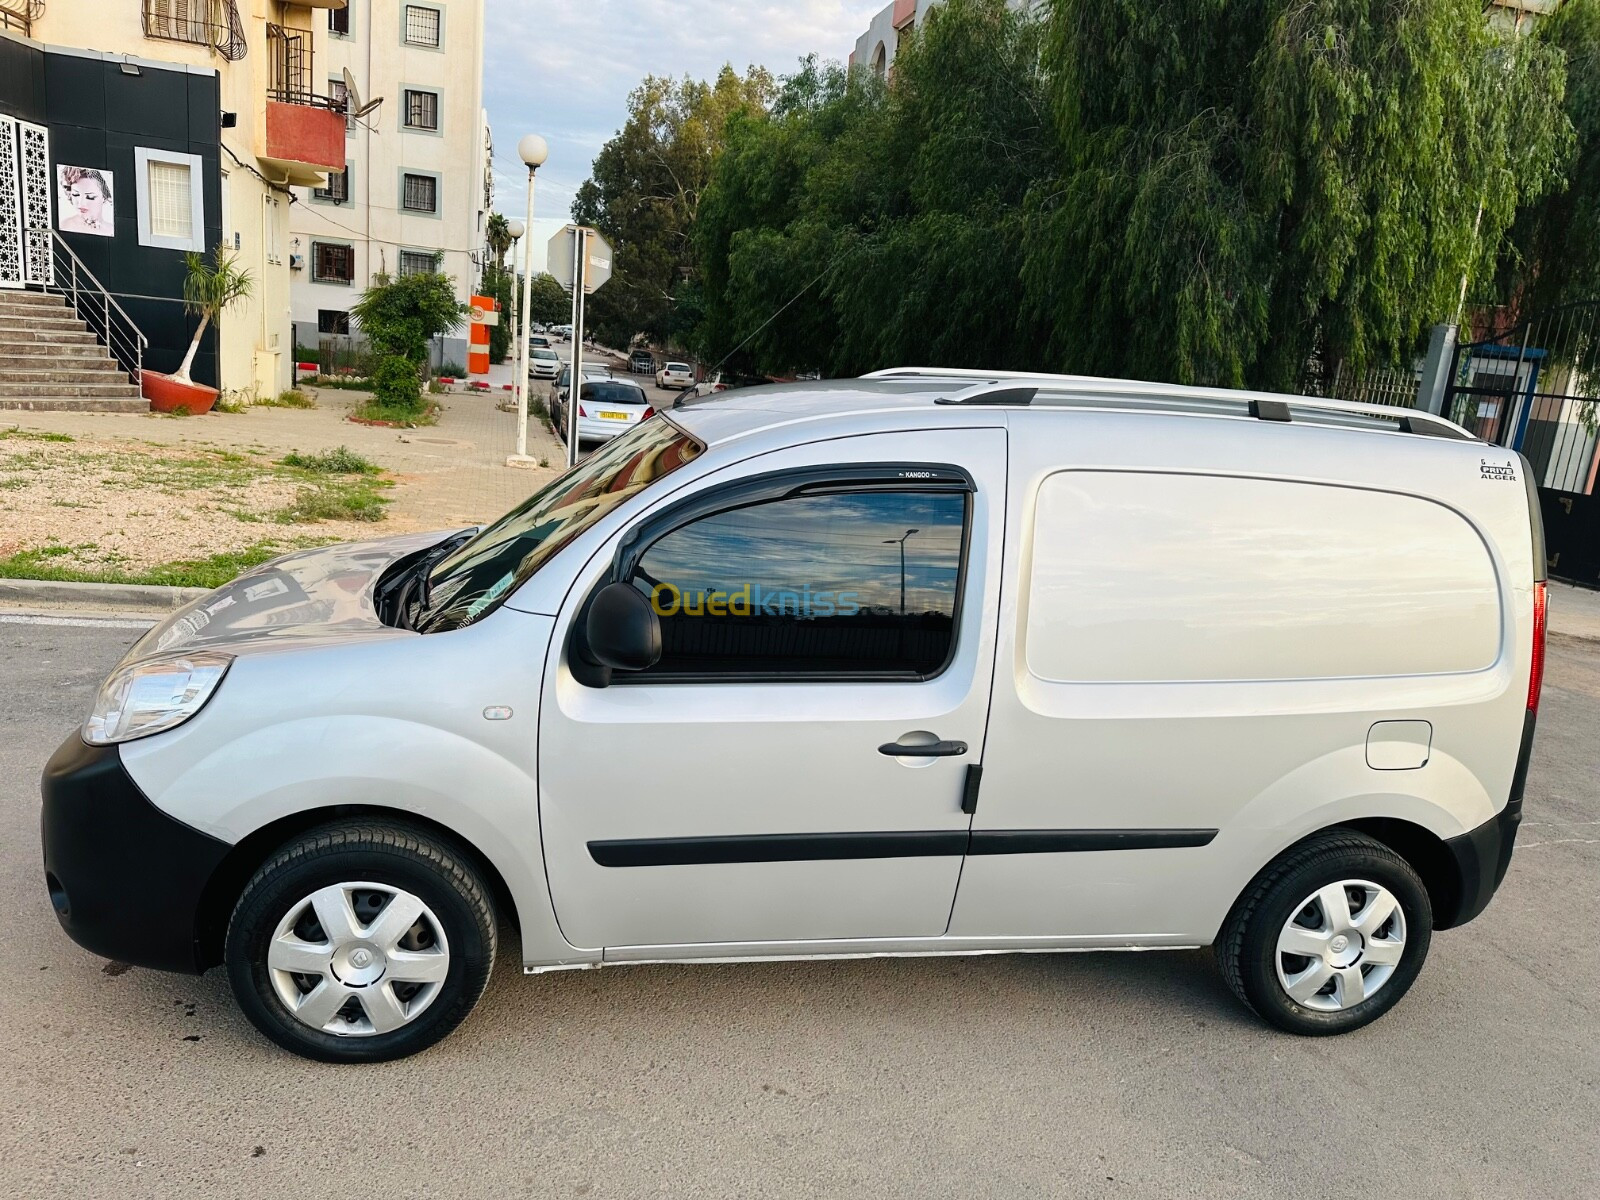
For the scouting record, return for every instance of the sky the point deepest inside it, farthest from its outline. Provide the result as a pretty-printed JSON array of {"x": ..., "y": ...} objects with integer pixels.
[{"x": 563, "y": 69}]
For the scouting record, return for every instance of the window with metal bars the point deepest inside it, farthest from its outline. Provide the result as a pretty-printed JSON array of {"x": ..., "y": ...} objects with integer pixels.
[
  {"x": 212, "y": 23},
  {"x": 418, "y": 262},
  {"x": 420, "y": 194},
  {"x": 422, "y": 25},
  {"x": 422, "y": 109},
  {"x": 332, "y": 262},
  {"x": 338, "y": 189},
  {"x": 171, "y": 199}
]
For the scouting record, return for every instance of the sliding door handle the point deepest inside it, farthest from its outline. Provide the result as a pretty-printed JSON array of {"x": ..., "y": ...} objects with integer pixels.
[{"x": 925, "y": 750}]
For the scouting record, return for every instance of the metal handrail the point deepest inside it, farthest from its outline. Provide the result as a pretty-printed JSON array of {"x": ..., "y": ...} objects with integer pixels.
[{"x": 106, "y": 319}]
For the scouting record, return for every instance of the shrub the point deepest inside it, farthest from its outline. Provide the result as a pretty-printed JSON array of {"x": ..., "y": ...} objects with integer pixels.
[
  {"x": 396, "y": 385},
  {"x": 343, "y": 461}
]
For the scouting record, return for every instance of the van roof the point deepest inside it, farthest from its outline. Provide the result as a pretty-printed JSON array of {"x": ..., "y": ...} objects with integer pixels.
[{"x": 722, "y": 416}]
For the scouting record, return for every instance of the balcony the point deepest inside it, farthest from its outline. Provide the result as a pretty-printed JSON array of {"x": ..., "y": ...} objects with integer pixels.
[{"x": 304, "y": 130}]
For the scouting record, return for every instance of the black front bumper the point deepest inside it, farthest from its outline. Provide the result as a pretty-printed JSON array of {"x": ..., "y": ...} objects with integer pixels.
[
  {"x": 1481, "y": 857},
  {"x": 125, "y": 879}
]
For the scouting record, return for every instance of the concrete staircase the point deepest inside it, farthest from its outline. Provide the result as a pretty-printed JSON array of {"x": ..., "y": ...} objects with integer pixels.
[{"x": 50, "y": 360}]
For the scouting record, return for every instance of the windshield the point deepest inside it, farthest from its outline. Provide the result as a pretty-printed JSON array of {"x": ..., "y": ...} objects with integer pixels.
[
  {"x": 677, "y": 366},
  {"x": 471, "y": 582},
  {"x": 613, "y": 393},
  {"x": 541, "y": 353}
]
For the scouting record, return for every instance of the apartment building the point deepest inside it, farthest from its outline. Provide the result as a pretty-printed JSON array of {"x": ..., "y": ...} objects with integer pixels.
[
  {"x": 412, "y": 195},
  {"x": 138, "y": 130}
]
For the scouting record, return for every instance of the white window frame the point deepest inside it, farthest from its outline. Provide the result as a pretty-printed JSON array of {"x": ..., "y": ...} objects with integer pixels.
[{"x": 143, "y": 156}]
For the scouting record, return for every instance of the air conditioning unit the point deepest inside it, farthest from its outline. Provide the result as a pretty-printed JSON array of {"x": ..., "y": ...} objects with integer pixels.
[{"x": 297, "y": 262}]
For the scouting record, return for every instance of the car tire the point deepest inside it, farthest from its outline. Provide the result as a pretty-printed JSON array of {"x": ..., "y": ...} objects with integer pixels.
[
  {"x": 1330, "y": 897},
  {"x": 367, "y": 990}
]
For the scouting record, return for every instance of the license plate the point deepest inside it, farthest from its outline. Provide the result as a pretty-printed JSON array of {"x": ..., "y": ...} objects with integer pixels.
[{"x": 614, "y": 416}]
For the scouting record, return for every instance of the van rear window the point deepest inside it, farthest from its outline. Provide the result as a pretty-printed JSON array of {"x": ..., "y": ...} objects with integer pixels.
[{"x": 1144, "y": 577}]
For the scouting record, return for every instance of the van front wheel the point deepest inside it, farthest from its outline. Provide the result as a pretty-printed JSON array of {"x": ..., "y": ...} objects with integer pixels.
[
  {"x": 361, "y": 942},
  {"x": 1329, "y": 936}
]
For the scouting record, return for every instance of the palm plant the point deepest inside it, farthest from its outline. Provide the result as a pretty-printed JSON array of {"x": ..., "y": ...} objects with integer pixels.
[
  {"x": 208, "y": 290},
  {"x": 498, "y": 235}
]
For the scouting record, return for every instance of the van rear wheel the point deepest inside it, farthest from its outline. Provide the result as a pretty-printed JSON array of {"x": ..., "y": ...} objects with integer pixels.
[
  {"x": 361, "y": 942},
  {"x": 1329, "y": 936}
]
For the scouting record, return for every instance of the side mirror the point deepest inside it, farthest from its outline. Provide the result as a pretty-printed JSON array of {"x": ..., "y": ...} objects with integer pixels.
[{"x": 622, "y": 629}]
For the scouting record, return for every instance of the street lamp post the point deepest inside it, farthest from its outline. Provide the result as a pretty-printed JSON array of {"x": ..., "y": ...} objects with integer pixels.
[
  {"x": 533, "y": 151},
  {"x": 519, "y": 367},
  {"x": 901, "y": 542}
]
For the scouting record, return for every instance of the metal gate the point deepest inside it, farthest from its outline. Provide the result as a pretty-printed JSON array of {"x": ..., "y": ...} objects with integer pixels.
[
  {"x": 1536, "y": 388},
  {"x": 25, "y": 204}
]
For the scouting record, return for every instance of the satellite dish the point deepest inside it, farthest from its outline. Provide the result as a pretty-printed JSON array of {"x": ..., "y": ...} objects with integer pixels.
[{"x": 357, "y": 109}]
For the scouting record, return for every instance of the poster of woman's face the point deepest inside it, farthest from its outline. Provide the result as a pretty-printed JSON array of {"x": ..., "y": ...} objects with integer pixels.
[{"x": 83, "y": 201}]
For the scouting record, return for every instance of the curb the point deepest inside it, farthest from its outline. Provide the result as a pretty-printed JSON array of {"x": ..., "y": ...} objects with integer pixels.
[{"x": 99, "y": 595}]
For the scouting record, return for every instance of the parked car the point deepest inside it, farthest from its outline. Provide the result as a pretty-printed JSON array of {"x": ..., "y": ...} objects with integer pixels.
[
  {"x": 592, "y": 371},
  {"x": 538, "y": 341},
  {"x": 675, "y": 375},
  {"x": 606, "y": 408},
  {"x": 543, "y": 363},
  {"x": 924, "y": 663},
  {"x": 642, "y": 362}
]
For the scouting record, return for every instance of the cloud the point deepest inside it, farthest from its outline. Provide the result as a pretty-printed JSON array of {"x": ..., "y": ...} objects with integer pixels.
[{"x": 564, "y": 69}]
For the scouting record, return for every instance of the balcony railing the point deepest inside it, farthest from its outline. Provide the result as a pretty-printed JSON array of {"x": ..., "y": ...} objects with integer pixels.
[
  {"x": 18, "y": 16},
  {"x": 291, "y": 71},
  {"x": 213, "y": 23}
]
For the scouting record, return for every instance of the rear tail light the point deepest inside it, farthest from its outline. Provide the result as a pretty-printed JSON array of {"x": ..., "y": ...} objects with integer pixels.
[
  {"x": 1541, "y": 601},
  {"x": 648, "y": 413},
  {"x": 582, "y": 411}
]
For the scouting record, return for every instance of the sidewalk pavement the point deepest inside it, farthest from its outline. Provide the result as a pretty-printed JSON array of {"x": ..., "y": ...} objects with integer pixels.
[{"x": 1574, "y": 611}]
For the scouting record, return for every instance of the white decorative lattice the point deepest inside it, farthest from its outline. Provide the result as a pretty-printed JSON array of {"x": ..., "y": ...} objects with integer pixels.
[
  {"x": 10, "y": 206},
  {"x": 38, "y": 261}
]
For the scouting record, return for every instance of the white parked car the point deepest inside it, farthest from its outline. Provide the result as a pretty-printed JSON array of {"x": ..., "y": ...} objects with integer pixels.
[
  {"x": 675, "y": 375},
  {"x": 930, "y": 662},
  {"x": 607, "y": 408},
  {"x": 543, "y": 363}
]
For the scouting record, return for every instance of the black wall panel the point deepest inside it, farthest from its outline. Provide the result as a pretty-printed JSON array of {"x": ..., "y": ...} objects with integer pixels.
[{"x": 98, "y": 115}]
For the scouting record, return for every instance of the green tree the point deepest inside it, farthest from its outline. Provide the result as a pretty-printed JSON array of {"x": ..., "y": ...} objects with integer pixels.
[
  {"x": 499, "y": 283},
  {"x": 548, "y": 302},
  {"x": 1254, "y": 184},
  {"x": 497, "y": 235},
  {"x": 884, "y": 224},
  {"x": 644, "y": 193},
  {"x": 401, "y": 316},
  {"x": 1555, "y": 244}
]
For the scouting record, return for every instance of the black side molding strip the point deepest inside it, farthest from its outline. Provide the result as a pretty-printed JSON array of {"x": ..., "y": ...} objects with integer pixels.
[
  {"x": 1066, "y": 841},
  {"x": 781, "y": 847},
  {"x": 932, "y": 843}
]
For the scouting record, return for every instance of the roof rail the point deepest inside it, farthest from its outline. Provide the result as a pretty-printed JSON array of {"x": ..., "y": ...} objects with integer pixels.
[{"x": 1021, "y": 388}]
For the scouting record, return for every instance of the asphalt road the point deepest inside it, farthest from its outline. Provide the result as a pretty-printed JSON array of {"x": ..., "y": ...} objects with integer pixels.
[{"x": 1028, "y": 1076}]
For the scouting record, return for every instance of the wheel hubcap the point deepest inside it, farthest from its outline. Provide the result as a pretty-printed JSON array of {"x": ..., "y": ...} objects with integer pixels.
[
  {"x": 358, "y": 959},
  {"x": 1341, "y": 945}
]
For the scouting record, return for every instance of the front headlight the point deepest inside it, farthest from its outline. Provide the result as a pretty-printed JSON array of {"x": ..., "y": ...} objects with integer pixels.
[{"x": 156, "y": 694}]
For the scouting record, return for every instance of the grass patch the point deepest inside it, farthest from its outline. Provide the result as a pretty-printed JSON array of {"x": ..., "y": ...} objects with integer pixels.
[
  {"x": 343, "y": 461},
  {"x": 341, "y": 500},
  {"x": 405, "y": 418},
  {"x": 212, "y": 571},
  {"x": 17, "y": 434},
  {"x": 356, "y": 384},
  {"x": 289, "y": 398}
]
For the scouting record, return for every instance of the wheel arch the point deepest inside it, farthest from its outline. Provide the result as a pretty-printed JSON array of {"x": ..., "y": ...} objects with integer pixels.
[{"x": 228, "y": 880}]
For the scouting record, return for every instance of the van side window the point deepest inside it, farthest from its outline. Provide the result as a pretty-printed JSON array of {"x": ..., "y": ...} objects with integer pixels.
[{"x": 834, "y": 584}]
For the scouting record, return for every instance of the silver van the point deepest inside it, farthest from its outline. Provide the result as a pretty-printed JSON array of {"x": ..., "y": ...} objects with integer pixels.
[{"x": 928, "y": 662}]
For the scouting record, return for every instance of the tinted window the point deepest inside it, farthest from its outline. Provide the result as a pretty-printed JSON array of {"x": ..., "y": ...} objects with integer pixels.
[
  {"x": 613, "y": 393},
  {"x": 811, "y": 585}
]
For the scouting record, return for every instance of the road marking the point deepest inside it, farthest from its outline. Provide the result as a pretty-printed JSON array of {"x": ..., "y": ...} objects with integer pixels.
[{"x": 75, "y": 622}]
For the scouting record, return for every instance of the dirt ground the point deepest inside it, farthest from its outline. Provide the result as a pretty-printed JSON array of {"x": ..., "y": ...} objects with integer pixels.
[{"x": 133, "y": 490}]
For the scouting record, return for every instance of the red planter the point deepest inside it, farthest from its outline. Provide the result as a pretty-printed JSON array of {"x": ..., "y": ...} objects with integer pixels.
[{"x": 167, "y": 394}]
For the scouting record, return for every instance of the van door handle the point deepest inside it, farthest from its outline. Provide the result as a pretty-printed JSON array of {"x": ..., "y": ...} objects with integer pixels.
[{"x": 926, "y": 750}]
